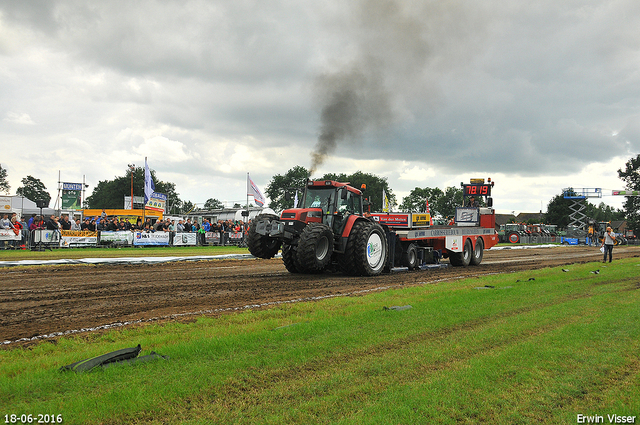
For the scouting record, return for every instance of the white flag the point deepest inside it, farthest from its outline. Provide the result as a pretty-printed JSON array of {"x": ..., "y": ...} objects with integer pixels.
[
  {"x": 295, "y": 200},
  {"x": 252, "y": 190},
  {"x": 149, "y": 187}
]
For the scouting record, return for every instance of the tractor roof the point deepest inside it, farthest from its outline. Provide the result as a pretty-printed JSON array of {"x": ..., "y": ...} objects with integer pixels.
[{"x": 332, "y": 183}]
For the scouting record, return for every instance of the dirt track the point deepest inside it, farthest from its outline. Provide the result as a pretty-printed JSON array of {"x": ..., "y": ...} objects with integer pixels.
[{"x": 42, "y": 300}]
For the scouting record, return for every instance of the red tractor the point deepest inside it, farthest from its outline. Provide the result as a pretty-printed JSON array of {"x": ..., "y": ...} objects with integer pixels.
[{"x": 329, "y": 230}]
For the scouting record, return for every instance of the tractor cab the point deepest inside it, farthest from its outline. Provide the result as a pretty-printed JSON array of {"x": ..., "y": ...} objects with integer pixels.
[{"x": 328, "y": 202}]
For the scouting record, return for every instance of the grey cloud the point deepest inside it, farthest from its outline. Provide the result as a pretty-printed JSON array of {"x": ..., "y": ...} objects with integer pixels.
[
  {"x": 538, "y": 88},
  {"x": 395, "y": 45},
  {"x": 38, "y": 14},
  {"x": 244, "y": 42},
  {"x": 533, "y": 90}
]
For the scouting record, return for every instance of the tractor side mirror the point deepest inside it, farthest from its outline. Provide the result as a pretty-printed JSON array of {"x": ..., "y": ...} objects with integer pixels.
[
  {"x": 343, "y": 194},
  {"x": 489, "y": 202},
  {"x": 287, "y": 196}
]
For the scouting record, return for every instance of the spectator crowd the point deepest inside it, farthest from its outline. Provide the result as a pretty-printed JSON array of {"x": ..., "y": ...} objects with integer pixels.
[{"x": 114, "y": 224}]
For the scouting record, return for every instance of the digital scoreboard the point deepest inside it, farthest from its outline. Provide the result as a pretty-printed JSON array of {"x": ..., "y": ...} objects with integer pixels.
[{"x": 477, "y": 189}]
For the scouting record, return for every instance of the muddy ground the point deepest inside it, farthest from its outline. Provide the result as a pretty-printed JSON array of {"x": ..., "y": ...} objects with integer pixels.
[{"x": 43, "y": 300}]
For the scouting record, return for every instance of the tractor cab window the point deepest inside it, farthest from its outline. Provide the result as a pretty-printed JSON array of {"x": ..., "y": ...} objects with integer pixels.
[
  {"x": 318, "y": 198},
  {"x": 349, "y": 203},
  {"x": 316, "y": 202},
  {"x": 329, "y": 198}
]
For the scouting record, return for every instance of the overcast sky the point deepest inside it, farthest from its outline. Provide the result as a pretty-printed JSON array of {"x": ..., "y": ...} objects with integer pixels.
[{"x": 538, "y": 96}]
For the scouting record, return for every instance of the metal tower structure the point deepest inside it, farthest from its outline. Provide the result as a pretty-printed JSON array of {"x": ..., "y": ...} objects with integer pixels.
[{"x": 578, "y": 196}]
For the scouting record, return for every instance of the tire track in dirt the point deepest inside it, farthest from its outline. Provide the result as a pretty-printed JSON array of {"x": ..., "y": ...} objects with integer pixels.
[{"x": 46, "y": 299}]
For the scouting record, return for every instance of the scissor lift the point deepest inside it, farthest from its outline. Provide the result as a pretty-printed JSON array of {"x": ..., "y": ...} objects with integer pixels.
[{"x": 578, "y": 196}]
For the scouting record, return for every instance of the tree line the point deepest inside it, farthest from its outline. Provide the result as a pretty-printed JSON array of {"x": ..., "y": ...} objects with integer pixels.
[{"x": 282, "y": 188}]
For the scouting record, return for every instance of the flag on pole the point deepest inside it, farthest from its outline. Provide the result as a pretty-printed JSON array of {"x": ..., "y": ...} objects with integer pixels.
[
  {"x": 385, "y": 201},
  {"x": 295, "y": 200},
  {"x": 149, "y": 187},
  {"x": 252, "y": 190}
]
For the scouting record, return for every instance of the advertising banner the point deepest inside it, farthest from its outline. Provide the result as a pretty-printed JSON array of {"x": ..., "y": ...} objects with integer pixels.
[
  {"x": 184, "y": 239},
  {"x": 453, "y": 243},
  {"x": 157, "y": 202},
  {"x": 5, "y": 204},
  {"x": 123, "y": 237},
  {"x": 212, "y": 238},
  {"x": 235, "y": 237},
  {"x": 9, "y": 235},
  {"x": 421, "y": 219},
  {"x": 392, "y": 219},
  {"x": 130, "y": 218},
  {"x": 75, "y": 238},
  {"x": 467, "y": 216},
  {"x": 145, "y": 239},
  {"x": 71, "y": 196},
  {"x": 46, "y": 236}
]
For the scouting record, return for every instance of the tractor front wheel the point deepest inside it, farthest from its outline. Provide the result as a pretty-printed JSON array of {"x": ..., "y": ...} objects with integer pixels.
[
  {"x": 289, "y": 253},
  {"x": 315, "y": 248},
  {"x": 262, "y": 246}
]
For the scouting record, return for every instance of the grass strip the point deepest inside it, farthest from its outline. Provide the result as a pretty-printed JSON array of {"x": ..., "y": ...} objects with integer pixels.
[{"x": 525, "y": 351}]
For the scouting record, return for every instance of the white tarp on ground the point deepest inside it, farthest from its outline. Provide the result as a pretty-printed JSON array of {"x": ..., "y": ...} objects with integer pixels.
[
  {"x": 498, "y": 248},
  {"x": 153, "y": 260},
  {"x": 125, "y": 260}
]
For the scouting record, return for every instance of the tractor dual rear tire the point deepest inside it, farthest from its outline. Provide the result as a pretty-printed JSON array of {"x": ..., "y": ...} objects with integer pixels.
[
  {"x": 262, "y": 246},
  {"x": 366, "y": 252}
]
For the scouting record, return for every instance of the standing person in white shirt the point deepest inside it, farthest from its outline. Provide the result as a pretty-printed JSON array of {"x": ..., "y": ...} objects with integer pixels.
[{"x": 607, "y": 242}]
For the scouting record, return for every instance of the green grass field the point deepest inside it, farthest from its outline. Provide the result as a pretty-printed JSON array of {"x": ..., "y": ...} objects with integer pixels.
[{"x": 523, "y": 352}]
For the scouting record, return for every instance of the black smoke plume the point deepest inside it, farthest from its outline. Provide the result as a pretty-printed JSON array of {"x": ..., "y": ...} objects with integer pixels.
[
  {"x": 353, "y": 103},
  {"x": 398, "y": 51}
]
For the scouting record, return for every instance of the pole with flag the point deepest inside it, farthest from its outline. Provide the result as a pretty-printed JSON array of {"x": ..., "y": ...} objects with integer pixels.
[
  {"x": 252, "y": 190},
  {"x": 149, "y": 188},
  {"x": 385, "y": 202}
]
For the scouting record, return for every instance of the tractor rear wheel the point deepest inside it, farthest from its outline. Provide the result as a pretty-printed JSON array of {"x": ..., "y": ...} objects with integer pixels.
[
  {"x": 262, "y": 246},
  {"x": 366, "y": 253},
  {"x": 315, "y": 248}
]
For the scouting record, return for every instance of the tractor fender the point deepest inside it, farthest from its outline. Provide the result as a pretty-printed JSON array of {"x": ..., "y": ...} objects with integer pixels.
[{"x": 351, "y": 221}]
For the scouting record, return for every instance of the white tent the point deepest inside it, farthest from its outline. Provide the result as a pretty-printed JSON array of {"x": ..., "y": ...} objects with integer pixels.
[{"x": 23, "y": 206}]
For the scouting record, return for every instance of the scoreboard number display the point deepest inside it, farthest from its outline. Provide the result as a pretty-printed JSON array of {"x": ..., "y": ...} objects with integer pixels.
[{"x": 477, "y": 190}]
